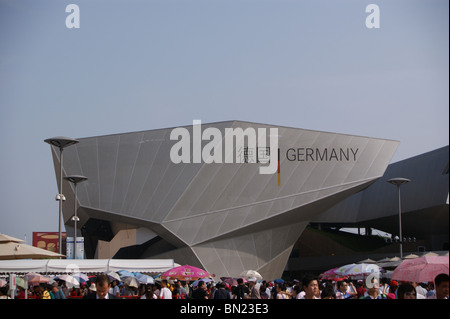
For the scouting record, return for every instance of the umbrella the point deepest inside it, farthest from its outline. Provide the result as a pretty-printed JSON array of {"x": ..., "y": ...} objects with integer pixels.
[
  {"x": 125, "y": 273},
  {"x": 388, "y": 274},
  {"x": 81, "y": 276},
  {"x": 145, "y": 279},
  {"x": 17, "y": 250},
  {"x": 279, "y": 281},
  {"x": 20, "y": 282},
  {"x": 342, "y": 270},
  {"x": 131, "y": 281},
  {"x": 185, "y": 272},
  {"x": 367, "y": 261},
  {"x": 113, "y": 275},
  {"x": 390, "y": 263},
  {"x": 250, "y": 274},
  {"x": 421, "y": 269},
  {"x": 358, "y": 269},
  {"x": 431, "y": 254},
  {"x": 229, "y": 280},
  {"x": 384, "y": 260},
  {"x": 68, "y": 279},
  {"x": 195, "y": 283},
  {"x": 35, "y": 279},
  {"x": 331, "y": 275},
  {"x": 411, "y": 256},
  {"x": 6, "y": 238},
  {"x": 330, "y": 272}
]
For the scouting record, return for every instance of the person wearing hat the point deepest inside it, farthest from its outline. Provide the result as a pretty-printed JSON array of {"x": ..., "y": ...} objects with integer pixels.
[
  {"x": 92, "y": 288},
  {"x": 392, "y": 293}
]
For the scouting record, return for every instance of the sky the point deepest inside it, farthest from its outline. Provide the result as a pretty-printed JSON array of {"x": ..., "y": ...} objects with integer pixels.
[{"x": 141, "y": 65}]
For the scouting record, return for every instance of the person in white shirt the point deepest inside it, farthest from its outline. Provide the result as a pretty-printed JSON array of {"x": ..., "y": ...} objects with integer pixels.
[
  {"x": 165, "y": 292},
  {"x": 114, "y": 290},
  {"x": 149, "y": 294},
  {"x": 420, "y": 291}
]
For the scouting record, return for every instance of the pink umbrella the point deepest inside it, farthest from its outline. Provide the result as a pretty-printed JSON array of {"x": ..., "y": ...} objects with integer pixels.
[
  {"x": 229, "y": 280},
  {"x": 35, "y": 279},
  {"x": 185, "y": 272},
  {"x": 331, "y": 272},
  {"x": 422, "y": 269}
]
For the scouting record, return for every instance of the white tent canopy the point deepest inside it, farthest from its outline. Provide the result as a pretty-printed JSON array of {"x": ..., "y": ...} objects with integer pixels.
[{"x": 62, "y": 266}]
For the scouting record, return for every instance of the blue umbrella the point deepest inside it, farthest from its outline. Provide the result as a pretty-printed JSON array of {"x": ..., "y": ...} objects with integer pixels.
[
  {"x": 125, "y": 273},
  {"x": 279, "y": 281},
  {"x": 195, "y": 283},
  {"x": 81, "y": 280}
]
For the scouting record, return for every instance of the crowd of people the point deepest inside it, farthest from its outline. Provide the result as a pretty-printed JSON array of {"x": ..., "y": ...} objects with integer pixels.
[{"x": 310, "y": 287}]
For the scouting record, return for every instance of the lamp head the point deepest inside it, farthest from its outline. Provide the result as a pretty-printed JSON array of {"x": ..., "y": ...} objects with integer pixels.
[
  {"x": 398, "y": 181},
  {"x": 61, "y": 141},
  {"x": 76, "y": 178}
]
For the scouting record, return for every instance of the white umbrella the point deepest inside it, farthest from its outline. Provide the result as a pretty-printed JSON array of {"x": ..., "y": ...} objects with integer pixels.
[
  {"x": 82, "y": 276},
  {"x": 251, "y": 274},
  {"x": 131, "y": 281},
  {"x": 411, "y": 256},
  {"x": 431, "y": 254},
  {"x": 68, "y": 279},
  {"x": 145, "y": 279},
  {"x": 367, "y": 261},
  {"x": 113, "y": 275},
  {"x": 342, "y": 270},
  {"x": 358, "y": 269}
]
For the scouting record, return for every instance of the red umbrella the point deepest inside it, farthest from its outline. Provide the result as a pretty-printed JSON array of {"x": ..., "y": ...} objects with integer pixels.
[
  {"x": 185, "y": 272},
  {"x": 422, "y": 269},
  {"x": 332, "y": 275}
]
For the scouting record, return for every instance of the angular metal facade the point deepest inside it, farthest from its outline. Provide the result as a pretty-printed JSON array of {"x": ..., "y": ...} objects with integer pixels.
[
  {"x": 224, "y": 217},
  {"x": 424, "y": 199}
]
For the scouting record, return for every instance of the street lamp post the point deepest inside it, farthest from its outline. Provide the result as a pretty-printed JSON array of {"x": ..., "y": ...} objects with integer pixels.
[
  {"x": 60, "y": 142},
  {"x": 75, "y": 179},
  {"x": 399, "y": 181}
]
